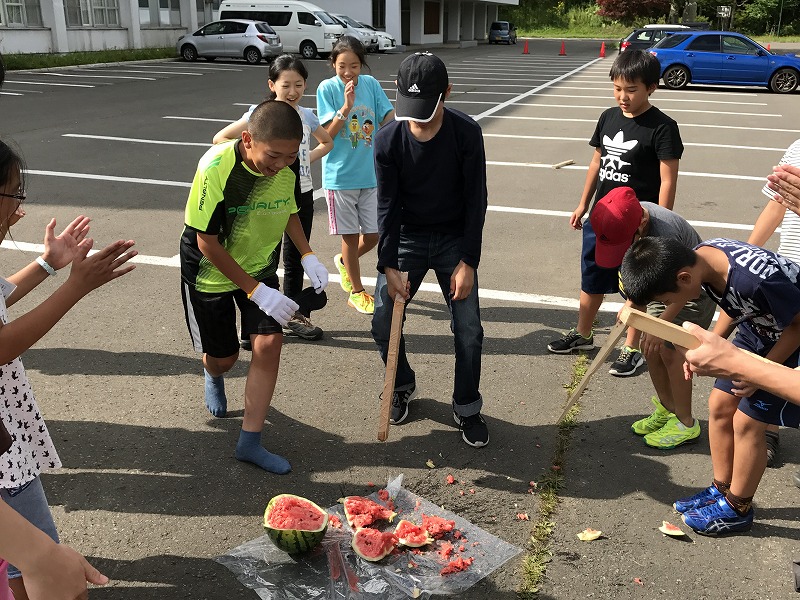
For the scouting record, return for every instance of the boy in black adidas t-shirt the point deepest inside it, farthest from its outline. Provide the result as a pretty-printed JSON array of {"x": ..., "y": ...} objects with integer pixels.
[{"x": 638, "y": 146}]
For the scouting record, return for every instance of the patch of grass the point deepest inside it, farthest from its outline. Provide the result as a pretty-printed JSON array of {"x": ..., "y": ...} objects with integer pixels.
[
  {"x": 765, "y": 39},
  {"x": 535, "y": 564},
  {"x": 612, "y": 31},
  {"x": 15, "y": 62}
]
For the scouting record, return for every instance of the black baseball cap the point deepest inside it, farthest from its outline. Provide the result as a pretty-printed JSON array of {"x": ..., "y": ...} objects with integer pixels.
[{"x": 421, "y": 84}]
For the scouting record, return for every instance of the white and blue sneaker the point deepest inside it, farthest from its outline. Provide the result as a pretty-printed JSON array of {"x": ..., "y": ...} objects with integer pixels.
[
  {"x": 718, "y": 519},
  {"x": 702, "y": 498}
]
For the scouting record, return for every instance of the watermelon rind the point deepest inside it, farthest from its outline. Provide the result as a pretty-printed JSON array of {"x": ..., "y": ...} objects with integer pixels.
[
  {"x": 294, "y": 541},
  {"x": 373, "y": 545}
]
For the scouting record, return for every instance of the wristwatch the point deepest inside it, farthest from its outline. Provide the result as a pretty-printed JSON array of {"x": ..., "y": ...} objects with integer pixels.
[{"x": 340, "y": 116}]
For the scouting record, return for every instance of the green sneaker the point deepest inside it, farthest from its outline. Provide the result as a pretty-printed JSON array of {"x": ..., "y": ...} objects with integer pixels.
[
  {"x": 344, "y": 278},
  {"x": 362, "y": 302},
  {"x": 654, "y": 422},
  {"x": 673, "y": 434}
]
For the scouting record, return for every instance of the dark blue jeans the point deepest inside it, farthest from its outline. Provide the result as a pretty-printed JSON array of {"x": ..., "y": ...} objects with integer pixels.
[{"x": 419, "y": 253}]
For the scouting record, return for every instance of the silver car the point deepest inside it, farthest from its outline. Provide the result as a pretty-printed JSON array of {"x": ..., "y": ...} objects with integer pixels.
[
  {"x": 233, "y": 38},
  {"x": 386, "y": 41},
  {"x": 358, "y": 31}
]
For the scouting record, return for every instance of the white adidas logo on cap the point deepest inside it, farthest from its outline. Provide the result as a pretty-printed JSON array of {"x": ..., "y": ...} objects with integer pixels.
[{"x": 413, "y": 89}]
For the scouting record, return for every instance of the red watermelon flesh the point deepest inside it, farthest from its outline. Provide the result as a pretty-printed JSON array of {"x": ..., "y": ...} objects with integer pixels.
[
  {"x": 411, "y": 535},
  {"x": 361, "y": 511},
  {"x": 373, "y": 545},
  {"x": 437, "y": 526},
  {"x": 292, "y": 512},
  {"x": 454, "y": 566}
]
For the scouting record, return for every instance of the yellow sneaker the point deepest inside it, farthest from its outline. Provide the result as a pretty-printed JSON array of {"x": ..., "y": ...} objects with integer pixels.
[
  {"x": 362, "y": 302},
  {"x": 344, "y": 278},
  {"x": 653, "y": 422}
]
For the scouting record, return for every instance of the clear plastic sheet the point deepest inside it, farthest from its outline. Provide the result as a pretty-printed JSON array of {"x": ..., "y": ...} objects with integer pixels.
[{"x": 333, "y": 571}]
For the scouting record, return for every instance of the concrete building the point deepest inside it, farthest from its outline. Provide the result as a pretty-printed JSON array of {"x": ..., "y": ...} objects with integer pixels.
[{"x": 86, "y": 25}]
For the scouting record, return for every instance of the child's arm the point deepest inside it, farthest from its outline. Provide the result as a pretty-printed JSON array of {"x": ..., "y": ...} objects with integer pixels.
[
  {"x": 294, "y": 229},
  {"x": 317, "y": 273},
  {"x": 231, "y": 132},
  {"x": 589, "y": 188},
  {"x": 86, "y": 274},
  {"x": 785, "y": 183},
  {"x": 669, "y": 182},
  {"x": 767, "y": 223},
  {"x": 325, "y": 144},
  {"x": 58, "y": 253},
  {"x": 335, "y": 125},
  {"x": 388, "y": 117}
]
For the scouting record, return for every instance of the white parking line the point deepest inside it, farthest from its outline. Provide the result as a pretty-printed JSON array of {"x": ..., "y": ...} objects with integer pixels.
[
  {"x": 94, "y": 76},
  {"x": 151, "y": 72},
  {"x": 498, "y": 163},
  {"x": 659, "y": 91},
  {"x": 109, "y": 178},
  {"x": 561, "y": 120},
  {"x": 583, "y": 139},
  {"x": 197, "y": 119},
  {"x": 660, "y": 100},
  {"x": 672, "y": 110},
  {"x": 10, "y": 94},
  {"x": 186, "y": 66},
  {"x": 136, "y": 140},
  {"x": 81, "y": 85}
]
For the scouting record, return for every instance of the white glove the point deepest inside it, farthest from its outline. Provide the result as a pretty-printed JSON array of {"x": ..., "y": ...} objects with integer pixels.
[
  {"x": 316, "y": 272},
  {"x": 274, "y": 304}
]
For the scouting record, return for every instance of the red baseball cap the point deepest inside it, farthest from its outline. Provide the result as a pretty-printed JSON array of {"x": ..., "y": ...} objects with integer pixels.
[{"x": 615, "y": 219}]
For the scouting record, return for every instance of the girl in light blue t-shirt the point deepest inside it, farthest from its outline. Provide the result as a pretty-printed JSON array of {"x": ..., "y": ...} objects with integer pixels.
[{"x": 351, "y": 107}]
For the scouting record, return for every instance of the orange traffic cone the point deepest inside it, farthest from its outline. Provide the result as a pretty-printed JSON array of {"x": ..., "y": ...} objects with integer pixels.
[
  {"x": 563, "y": 51},
  {"x": 768, "y": 48},
  {"x": 602, "y": 49},
  {"x": 525, "y": 47}
]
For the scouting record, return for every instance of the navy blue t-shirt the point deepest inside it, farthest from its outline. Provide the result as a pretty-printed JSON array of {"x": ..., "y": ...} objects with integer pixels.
[{"x": 762, "y": 292}]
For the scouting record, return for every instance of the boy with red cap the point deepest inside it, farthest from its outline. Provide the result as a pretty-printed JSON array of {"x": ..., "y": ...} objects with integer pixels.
[
  {"x": 432, "y": 201},
  {"x": 618, "y": 220}
]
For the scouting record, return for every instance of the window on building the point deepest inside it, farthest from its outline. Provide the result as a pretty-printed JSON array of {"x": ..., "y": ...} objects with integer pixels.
[
  {"x": 92, "y": 13},
  {"x": 379, "y": 14},
  {"x": 431, "y": 23},
  {"x": 20, "y": 13}
]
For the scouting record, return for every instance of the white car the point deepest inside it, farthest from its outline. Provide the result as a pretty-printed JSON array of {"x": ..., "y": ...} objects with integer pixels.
[
  {"x": 385, "y": 40},
  {"x": 355, "y": 29}
]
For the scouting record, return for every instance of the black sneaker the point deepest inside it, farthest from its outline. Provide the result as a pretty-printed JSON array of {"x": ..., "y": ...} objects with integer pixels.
[
  {"x": 400, "y": 400},
  {"x": 246, "y": 344},
  {"x": 773, "y": 448},
  {"x": 300, "y": 325},
  {"x": 628, "y": 361},
  {"x": 572, "y": 340},
  {"x": 473, "y": 429}
]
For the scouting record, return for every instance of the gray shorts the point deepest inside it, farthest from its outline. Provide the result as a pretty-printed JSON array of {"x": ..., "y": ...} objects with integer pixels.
[
  {"x": 352, "y": 211},
  {"x": 700, "y": 312},
  {"x": 29, "y": 501}
]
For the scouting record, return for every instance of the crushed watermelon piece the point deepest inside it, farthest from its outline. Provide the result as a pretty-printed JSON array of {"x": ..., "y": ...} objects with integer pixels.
[
  {"x": 370, "y": 484},
  {"x": 383, "y": 494},
  {"x": 334, "y": 521},
  {"x": 445, "y": 550},
  {"x": 457, "y": 534},
  {"x": 418, "y": 504},
  {"x": 460, "y": 492},
  {"x": 459, "y": 564},
  {"x": 461, "y": 548},
  {"x": 437, "y": 526},
  {"x": 361, "y": 512},
  {"x": 450, "y": 480},
  {"x": 523, "y": 516}
]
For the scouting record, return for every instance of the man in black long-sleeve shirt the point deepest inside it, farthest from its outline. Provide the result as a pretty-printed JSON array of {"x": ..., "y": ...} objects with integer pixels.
[{"x": 432, "y": 203}]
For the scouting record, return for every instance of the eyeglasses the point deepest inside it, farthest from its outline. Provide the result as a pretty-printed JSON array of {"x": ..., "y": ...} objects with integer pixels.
[{"x": 21, "y": 196}]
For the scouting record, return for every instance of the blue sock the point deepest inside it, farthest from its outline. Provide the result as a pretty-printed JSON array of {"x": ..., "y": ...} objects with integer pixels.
[
  {"x": 216, "y": 402},
  {"x": 249, "y": 449}
]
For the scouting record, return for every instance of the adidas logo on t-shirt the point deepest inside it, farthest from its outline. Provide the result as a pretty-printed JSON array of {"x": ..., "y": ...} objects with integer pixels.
[{"x": 413, "y": 89}]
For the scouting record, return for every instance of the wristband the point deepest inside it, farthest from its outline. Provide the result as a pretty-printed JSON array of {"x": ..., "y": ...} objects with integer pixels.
[
  {"x": 306, "y": 254},
  {"x": 250, "y": 295},
  {"x": 340, "y": 116},
  {"x": 43, "y": 263}
]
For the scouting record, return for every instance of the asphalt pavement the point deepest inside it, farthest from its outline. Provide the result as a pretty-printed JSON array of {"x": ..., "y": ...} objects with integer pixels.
[{"x": 150, "y": 490}]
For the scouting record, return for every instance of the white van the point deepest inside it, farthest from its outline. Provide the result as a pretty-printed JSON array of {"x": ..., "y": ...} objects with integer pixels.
[{"x": 304, "y": 28}]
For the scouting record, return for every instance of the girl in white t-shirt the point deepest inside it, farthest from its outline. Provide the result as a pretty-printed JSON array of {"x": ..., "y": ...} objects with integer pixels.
[
  {"x": 32, "y": 450},
  {"x": 287, "y": 83}
]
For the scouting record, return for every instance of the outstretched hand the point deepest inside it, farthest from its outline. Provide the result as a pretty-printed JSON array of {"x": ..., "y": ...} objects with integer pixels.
[
  {"x": 92, "y": 271},
  {"x": 64, "y": 576},
  {"x": 60, "y": 250}
]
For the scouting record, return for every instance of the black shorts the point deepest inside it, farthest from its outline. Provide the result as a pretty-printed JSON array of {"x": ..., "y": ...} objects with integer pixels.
[
  {"x": 594, "y": 279},
  {"x": 211, "y": 319},
  {"x": 763, "y": 406}
]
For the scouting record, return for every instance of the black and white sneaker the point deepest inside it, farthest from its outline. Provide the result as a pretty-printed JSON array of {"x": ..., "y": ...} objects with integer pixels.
[
  {"x": 628, "y": 361},
  {"x": 301, "y": 326},
  {"x": 400, "y": 400},
  {"x": 572, "y": 340},
  {"x": 473, "y": 429}
]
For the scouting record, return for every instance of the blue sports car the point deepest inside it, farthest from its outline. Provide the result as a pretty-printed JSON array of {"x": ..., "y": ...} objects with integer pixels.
[{"x": 723, "y": 57}]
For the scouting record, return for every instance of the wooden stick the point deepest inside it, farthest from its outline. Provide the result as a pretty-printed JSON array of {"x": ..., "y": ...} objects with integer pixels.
[
  {"x": 563, "y": 163},
  {"x": 665, "y": 330},
  {"x": 391, "y": 362},
  {"x": 613, "y": 337}
]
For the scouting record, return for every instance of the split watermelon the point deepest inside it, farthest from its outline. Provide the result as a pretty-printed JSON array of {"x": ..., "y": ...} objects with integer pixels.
[
  {"x": 295, "y": 524},
  {"x": 411, "y": 535},
  {"x": 361, "y": 511},
  {"x": 437, "y": 526},
  {"x": 373, "y": 545}
]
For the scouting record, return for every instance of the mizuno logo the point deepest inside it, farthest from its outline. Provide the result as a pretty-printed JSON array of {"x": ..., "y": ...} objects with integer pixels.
[
  {"x": 413, "y": 89},
  {"x": 615, "y": 148}
]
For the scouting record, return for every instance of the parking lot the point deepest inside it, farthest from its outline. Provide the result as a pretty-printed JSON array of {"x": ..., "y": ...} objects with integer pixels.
[{"x": 150, "y": 490}]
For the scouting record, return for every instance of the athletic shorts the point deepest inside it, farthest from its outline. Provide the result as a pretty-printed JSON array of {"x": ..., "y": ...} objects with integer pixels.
[
  {"x": 594, "y": 279},
  {"x": 30, "y": 501},
  {"x": 700, "y": 312},
  {"x": 352, "y": 211},
  {"x": 211, "y": 319},
  {"x": 763, "y": 406}
]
